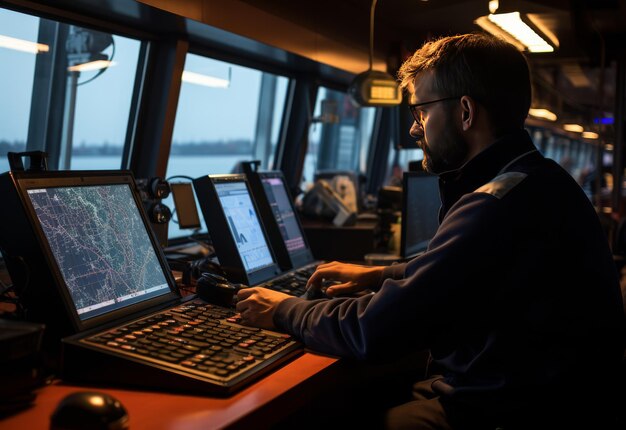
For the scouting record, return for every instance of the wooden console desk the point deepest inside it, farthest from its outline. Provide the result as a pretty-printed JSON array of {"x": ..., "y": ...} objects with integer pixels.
[{"x": 260, "y": 405}]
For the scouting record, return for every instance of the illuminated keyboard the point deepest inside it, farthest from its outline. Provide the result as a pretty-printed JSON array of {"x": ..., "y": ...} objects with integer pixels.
[{"x": 194, "y": 346}]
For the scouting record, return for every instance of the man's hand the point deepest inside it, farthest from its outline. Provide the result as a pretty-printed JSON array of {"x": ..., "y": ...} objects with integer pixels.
[
  {"x": 257, "y": 306},
  {"x": 353, "y": 277}
]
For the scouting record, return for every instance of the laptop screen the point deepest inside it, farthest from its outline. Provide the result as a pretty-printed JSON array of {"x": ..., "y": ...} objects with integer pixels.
[
  {"x": 96, "y": 245},
  {"x": 101, "y": 245},
  {"x": 420, "y": 209},
  {"x": 244, "y": 224}
]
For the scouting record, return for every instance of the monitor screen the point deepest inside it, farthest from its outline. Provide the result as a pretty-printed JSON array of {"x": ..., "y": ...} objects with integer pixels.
[
  {"x": 244, "y": 224},
  {"x": 420, "y": 209},
  {"x": 100, "y": 244},
  {"x": 282, "y": 208},
  {"x": 185, "y": 205}
]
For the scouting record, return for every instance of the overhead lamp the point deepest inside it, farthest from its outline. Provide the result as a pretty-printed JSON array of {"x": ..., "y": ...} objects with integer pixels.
[
  {"x": 573, "y": 127},
  {"x": 205, "y": 80},
  {"x": 91, "y": 65},
  {"x": 373, "y": 87},
  {"x": 590, "y": 135},
  {"x": 542, "y": 113},
  {"x": 22, "y": 45},
  {"x": 512, "y": 28}
]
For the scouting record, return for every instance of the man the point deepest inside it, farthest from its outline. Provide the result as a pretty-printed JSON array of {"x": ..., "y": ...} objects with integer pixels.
[{"x": 517, "y": 297}]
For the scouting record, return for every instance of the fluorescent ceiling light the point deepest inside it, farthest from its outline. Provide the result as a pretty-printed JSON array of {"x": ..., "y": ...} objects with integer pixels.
[
  {"x": 205, "y": 80},
  {"x": 576, "y": 76},
  {"x": 590, "y": 135},
  {"x": 22, "y": 45},
  {"x": 92, "y": 65},
  {"x": 510, "y": 27},
  {"x": 573, "y": 127},
  {"x": 542, "y": 113}
]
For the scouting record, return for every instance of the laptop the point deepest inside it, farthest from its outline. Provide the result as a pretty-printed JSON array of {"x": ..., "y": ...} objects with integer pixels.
[
  {"x": 94, "y": 249},
  {"x": 420, "y": 209},
  {"x": 240, "y": 239}
]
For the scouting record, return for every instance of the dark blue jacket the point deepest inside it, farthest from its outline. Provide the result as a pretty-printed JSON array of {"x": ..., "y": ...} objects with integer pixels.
[{"x": 517, "y": 297}]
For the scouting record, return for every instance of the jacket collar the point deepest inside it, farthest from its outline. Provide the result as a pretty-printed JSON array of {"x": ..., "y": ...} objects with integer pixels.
[{"x": 483, "y": 167}]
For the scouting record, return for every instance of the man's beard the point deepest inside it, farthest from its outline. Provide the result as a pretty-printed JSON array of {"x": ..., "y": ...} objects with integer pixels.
[{"x": 450, "y": 153}]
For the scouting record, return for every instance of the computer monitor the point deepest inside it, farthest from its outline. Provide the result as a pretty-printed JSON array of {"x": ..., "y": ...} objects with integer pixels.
[
  {"x": 88, "y": 236},
  {"x": 185, "y": 205},
  {"x": 239, "y": 239},
  {"x": 420, "y": 209},
  {"x": 280, "y": 219}
]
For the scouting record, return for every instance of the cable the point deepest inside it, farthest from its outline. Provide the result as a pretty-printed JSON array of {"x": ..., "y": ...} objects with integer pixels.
[
  {"x": 4, "y": 287},
  {"x": 179, "y": 177},
  {"x": 372, "y": 33},
  {"x": 10, "y": 294},
  {"x": 104, "y": 69}
]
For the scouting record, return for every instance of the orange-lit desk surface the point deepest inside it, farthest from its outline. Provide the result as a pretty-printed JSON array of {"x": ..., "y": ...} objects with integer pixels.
[{"x": 267, "y": 401}]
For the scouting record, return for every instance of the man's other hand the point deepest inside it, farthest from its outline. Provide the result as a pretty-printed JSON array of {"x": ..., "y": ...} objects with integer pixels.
[
  {"x": 257, "y": 306},
  {"x": 347, "y": 278}
]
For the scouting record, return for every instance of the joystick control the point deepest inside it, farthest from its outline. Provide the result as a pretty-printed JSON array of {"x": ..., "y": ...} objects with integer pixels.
[{"x": 217, "y": 290}]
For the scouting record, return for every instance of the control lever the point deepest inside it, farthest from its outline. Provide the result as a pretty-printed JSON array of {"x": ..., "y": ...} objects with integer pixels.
[{"x": 217, "y": 290}]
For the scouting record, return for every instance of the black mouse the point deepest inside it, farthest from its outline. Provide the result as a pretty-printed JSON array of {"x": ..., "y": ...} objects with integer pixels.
[{"x": 89, "y": 410}]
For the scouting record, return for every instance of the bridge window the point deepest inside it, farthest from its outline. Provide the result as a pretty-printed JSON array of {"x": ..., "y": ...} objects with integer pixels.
[
  {"x": 70, "y": 90},
  {"x": 339, "y": 136},
  {"x": 226, "y": 114}
]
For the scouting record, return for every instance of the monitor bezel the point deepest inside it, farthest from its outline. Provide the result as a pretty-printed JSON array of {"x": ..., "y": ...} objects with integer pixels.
[
  {"x": 420, "y": 246},
  {"x": 91, "y": 178},
  {"x": 224, "y": 244}
]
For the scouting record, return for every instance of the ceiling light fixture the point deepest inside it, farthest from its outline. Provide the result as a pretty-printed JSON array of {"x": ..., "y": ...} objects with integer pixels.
[
  {"x": 573, "y": 127},
  {"x": 512, "y": 28},
  {"x": 205, "y": 80},
  {"x": 22, "y": 45},
  {"x": 590, "y": 135},
  {"x": 91, "y": 65},
  {"x": 542, "y": 113},
  {"x": 373, "y": 87}
]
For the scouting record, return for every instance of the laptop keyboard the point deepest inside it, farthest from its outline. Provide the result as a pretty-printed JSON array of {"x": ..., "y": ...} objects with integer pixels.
[{"x": 198, "y": 338}]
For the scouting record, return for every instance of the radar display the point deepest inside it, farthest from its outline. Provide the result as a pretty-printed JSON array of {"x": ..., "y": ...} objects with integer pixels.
[{"x": 100, "y": 244}]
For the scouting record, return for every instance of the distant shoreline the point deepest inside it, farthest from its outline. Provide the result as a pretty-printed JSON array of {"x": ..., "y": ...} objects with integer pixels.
[{"x": 231, "y": 148}]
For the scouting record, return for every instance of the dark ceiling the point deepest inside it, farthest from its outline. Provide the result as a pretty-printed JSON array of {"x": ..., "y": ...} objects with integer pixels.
[{"x": 591, "y": 33}]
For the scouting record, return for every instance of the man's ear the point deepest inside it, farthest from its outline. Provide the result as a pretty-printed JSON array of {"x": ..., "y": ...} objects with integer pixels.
[{"x": 468, "y": 112}]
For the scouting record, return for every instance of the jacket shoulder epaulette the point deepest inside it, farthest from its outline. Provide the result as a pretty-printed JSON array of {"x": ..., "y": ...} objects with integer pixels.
[{"x": 502, "y": 184}]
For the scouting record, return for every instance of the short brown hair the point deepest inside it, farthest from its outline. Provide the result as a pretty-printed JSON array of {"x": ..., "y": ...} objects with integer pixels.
[{"x": 484, "y": 67}]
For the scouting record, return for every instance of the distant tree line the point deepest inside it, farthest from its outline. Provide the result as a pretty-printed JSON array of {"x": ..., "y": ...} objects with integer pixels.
[
  {"x": 229, "y": 147},
  {"x": 6, "y": 146},
  {"x": 240, "y": 146}
]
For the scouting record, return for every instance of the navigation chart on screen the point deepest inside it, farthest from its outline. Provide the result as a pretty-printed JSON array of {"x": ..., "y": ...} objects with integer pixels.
[{"x": 100, "y": 244}]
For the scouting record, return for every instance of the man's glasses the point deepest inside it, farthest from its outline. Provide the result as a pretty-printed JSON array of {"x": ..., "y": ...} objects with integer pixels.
[{"x": 417, "y": 112}]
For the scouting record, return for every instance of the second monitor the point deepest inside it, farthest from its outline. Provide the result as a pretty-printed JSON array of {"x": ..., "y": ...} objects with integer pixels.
[
  {"x": 420, "y": 207},
  {"x": 281, "y": 220},
  {"x": 239, "y": 238}
]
